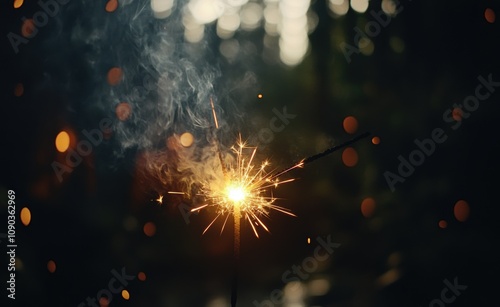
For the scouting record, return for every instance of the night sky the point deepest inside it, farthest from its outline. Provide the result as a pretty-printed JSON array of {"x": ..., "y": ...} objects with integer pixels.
[{"x": 407, "y": 216}]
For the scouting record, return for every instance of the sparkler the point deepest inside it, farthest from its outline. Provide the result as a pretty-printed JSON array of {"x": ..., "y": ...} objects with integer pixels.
[
  {"x": 242, "y": 193},
  {"x": 243, "y": 190}
]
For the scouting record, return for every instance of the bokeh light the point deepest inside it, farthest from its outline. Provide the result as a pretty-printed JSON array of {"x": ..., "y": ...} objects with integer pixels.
[
  {"x": 18, "y": 3},
  {"x": 489, "y": 15},
  {"x": 456, "y": 114},
  {"x": 350, "y": 157},
  {"x": 141, "y": 276},
  {"x": 295, "y": 293},
  {"x": 293, "y": 29},
  {"x": 28, "y": 28},
  {"x": 350, "y": 124},
  {"x": 162, "y": 8},
  {"x": 186, "y": 139},
  {"x": 366, "y": 46},
  {"x": 19, "y": 90},
  {"x": 62, "y": 141},
  {"x": 125, "y": 294},
  {"x": 359, "y": 6},
  {"x": 111, "y": 6},
  {"x": 338, "y": 7},
  {"x": 389, "y": 7},
  {"x": 443, "y": 224},
  {"x": 206, "y": 11},
  {"x": 227, "y": 24},
  {"x": 115, "y": 75},
  {"x": 272, "y": 18},
  {"x": 229, "y": 48},
  {"x": 25, "y": 216},
  {"x": 368, "y": 207},
  {"x": 461, "y": 210},
  {"x": 318, "y": 287},
  {"x": 51, "y": 266},
  {"x": 123, "y": 111},
  {"x": 149, "y": 229},
  {"x": 193, "y": 29},
  {"x": 103, "y": 302},
  {"x": 375, "y": 140},
  {"x": 251, "y": 15}
]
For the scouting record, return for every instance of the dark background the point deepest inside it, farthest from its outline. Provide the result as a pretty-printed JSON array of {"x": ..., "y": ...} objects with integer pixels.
[{"x": 92, "y": 222}]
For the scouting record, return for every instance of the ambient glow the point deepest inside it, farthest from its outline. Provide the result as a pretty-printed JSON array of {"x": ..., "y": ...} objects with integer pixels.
[{"x": 236, "y": 193}]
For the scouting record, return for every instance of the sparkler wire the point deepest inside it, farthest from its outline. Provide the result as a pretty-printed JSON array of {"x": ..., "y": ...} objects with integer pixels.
[
  {"x": 320, "y": 155},
  {"x": 272, "y": 179}
]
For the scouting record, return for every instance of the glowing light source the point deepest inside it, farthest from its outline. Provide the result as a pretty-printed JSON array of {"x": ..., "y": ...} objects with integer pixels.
[
  {"x": 28, "y": 29},
  {"x": 359, "y": 6},
  {"x": 206, "y": 11},
  {"x": 103, "y": 302},
  {"x": 111, "y": 6},
  {"x": 51, "y": 266},
  {"x": 123, "y": 111},
  {"x": 292, "y": 54},
  {"x": 318, "y": 287},
  {"x": 338, "y": 7},
  {"x": 186, "y": 139},
  {"x": 194, "y": 33},
  {"x": 295, "y": 293},
  {"x": 294, "y": 8},
  {"x": 443, "y": 224},
  {"x": 149, "y": 229},
  {"x": 141, "y": 276},
  {"x": 236, "y": 194},
  {"x": 489, "y": 15},
  {"x": 350, "y": 157},
  {"x": 125, "y": 294},
  {"x": 62, "y": 141},
  {"x": 350, "y": 124},
  {"x": 251, "y": 14},
  {"x": 162, "y": 8},
  {"x": 25, "y": 216},
  {"x": 461, "y": 210},
  {"x": 272, "y": 18},
  {"x": 389, "y": 7},
  {"x": 375, "y": 140},
  {"x": 227, "y": 24},
  {"x": 368, "y": 207},
  {"x": 18, "y": 3},
  {"x": 456, "y": 114},
  {"x": 115, "y": 75}
]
